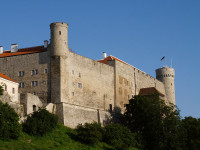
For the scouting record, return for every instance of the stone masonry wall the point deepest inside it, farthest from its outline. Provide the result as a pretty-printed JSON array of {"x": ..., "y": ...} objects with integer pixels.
[
  {"x": 91, "y": 84},
  {"x": 129, "y": 80},
  {"x": 11, "y": 66}
]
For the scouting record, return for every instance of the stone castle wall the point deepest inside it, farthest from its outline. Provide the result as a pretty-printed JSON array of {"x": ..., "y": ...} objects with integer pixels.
[
  {"x": 11, "y": 66},
  {"x": 129, "y": 80}
]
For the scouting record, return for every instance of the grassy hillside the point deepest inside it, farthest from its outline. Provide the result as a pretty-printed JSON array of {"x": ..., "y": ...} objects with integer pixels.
[{"x": 62, "y": 138}]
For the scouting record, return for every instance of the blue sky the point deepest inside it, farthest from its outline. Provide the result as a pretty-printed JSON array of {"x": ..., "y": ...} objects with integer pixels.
[{"x": 139, "y": 32}]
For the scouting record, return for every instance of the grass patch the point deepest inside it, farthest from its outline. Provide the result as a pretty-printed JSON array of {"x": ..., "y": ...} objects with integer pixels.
[{"x": 62, "y": 138}]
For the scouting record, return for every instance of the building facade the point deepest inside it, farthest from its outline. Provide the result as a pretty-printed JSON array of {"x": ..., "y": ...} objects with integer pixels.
[{"x": 81, "y": 89}]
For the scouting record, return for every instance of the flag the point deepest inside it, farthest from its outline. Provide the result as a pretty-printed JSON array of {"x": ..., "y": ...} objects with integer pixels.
[{"x": 162, "y": 58}]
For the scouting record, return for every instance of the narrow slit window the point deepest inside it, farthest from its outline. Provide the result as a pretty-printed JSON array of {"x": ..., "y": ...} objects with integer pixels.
[
  {"x": 13, "y": 90},
  {"x": 60, "y": 32},
  {"x": 110, "y": 105}
]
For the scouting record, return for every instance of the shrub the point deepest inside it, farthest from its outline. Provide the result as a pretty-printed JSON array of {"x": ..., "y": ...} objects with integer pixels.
[
  {"x": 9, "y": 123},
  {"x": 120, "y": 137},
  {"x": 90, "y": 133},
  {"x": 40, "y": 123}
]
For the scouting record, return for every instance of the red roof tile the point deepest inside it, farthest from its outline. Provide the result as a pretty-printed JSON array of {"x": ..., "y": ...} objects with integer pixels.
[
  {"x": 24, "y": 51},
  {"x": 105, "y": 60},
  {"x": 6, "y": 77}
]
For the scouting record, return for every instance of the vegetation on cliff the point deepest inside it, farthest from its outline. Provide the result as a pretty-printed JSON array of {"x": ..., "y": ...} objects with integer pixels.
[
  {"x": 40, "y": 123},
  {"x": 147, "y": 124},
  {"x": 9, "y": 123}
]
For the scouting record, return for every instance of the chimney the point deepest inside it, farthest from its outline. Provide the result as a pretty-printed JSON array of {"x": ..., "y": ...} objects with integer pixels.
[
  {"x": 45, "y": 43},
  {"x": 1, "y": 49},
  {"x": 104, "y": 55},
  {"x": 14, "y": 48}
]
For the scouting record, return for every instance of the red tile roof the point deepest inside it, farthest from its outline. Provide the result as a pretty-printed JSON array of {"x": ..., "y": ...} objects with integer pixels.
[
  {"x": 150, "y": 90},
  {"x": 6, "y": 77},
  {"x": 105, "y": 60},
  {"x": 24, "y": 51}
]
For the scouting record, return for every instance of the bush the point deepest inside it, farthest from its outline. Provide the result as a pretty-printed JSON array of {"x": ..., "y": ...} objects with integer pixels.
[
  {"x": 120, "y": 137},
  {"x": 90, "y": 133},
  {"x": 9, "y": 123},
  {"x": 40, "y": 123}
]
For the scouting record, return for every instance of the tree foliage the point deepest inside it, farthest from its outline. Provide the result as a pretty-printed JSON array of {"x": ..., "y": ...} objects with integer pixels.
[
  {"x": 156, "y": 122},
  {"x": 120, "y": 137},
  {"x": 190, "y": 133},
  {"x": 90, "y": 133},
  {"x": 40, "y": 123},
  {"x": 9, "y": 123}
]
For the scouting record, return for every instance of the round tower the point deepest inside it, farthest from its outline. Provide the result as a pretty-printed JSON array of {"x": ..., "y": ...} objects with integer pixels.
[
  {"x": 59, "y": 38},
  {"x": 167, "y": 75}
]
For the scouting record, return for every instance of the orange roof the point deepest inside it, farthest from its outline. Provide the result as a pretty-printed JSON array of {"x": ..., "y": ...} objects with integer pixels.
[
  {"x": 150, "y": 90},
  {"x": 24, "y": 51},
  {"x": 105, "y": 60},
  {"x": 6, "y": 77}
]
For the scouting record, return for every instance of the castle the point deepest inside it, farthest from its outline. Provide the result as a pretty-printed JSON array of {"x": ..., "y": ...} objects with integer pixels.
[{"x": 76, "y": 88}]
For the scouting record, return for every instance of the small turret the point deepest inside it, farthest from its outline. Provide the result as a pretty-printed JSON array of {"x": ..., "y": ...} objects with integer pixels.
[
  {"x": 167, "y": 75},
  {"x": 59, "y": 39}
]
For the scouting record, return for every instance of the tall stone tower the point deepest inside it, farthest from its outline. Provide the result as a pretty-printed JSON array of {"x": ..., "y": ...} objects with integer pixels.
[
  {"x": 59, "y": 62},
  {"x": 59, "y": 39},
  {"x": 167, "y": 75}
]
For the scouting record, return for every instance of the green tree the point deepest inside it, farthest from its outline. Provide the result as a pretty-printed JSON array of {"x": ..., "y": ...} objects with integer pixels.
[
  {"x": 120, "y": 137},
  {"x": 156, "y": 122},
  {"x": 9, "y": 123},
  {"x": 40, "y": 123},
  {"x": 1, "y": 90},
  {"x": 90, "y": 133},
  {"x": 190, "y": 133}
]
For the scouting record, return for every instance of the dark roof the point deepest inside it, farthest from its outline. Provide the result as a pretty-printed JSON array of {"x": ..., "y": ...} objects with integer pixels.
[{"x": 150, "y": 90}]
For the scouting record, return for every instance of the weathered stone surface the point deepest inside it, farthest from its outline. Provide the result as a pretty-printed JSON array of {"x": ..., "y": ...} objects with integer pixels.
[{"x": 82, "y": 89}]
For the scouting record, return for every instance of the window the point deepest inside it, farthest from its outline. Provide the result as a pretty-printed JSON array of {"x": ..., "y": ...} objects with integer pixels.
[
  {"x": 13, "y": 90},
  {"x": 72, "y": 71},
  {"x": 79, "y": 74},
  {"x": 21, "y": 73},
  {"x": 5, "y": 87},
  {"x": 21, "y": 85},
  {"x": 72, "y": 93},
  {"x": 34, "y": 83},
  {"x": 60, "y": 32},
  {"x": 33, "y": 72},
  {"x": 127, "y": 83},
  {"x": 110, "y": 105},
  {"x": 80, "y": 85},
  {"x": 34, "y": 108},
  {"x": 45, "y": 71},
  {"x": 128, "y": 96}
]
